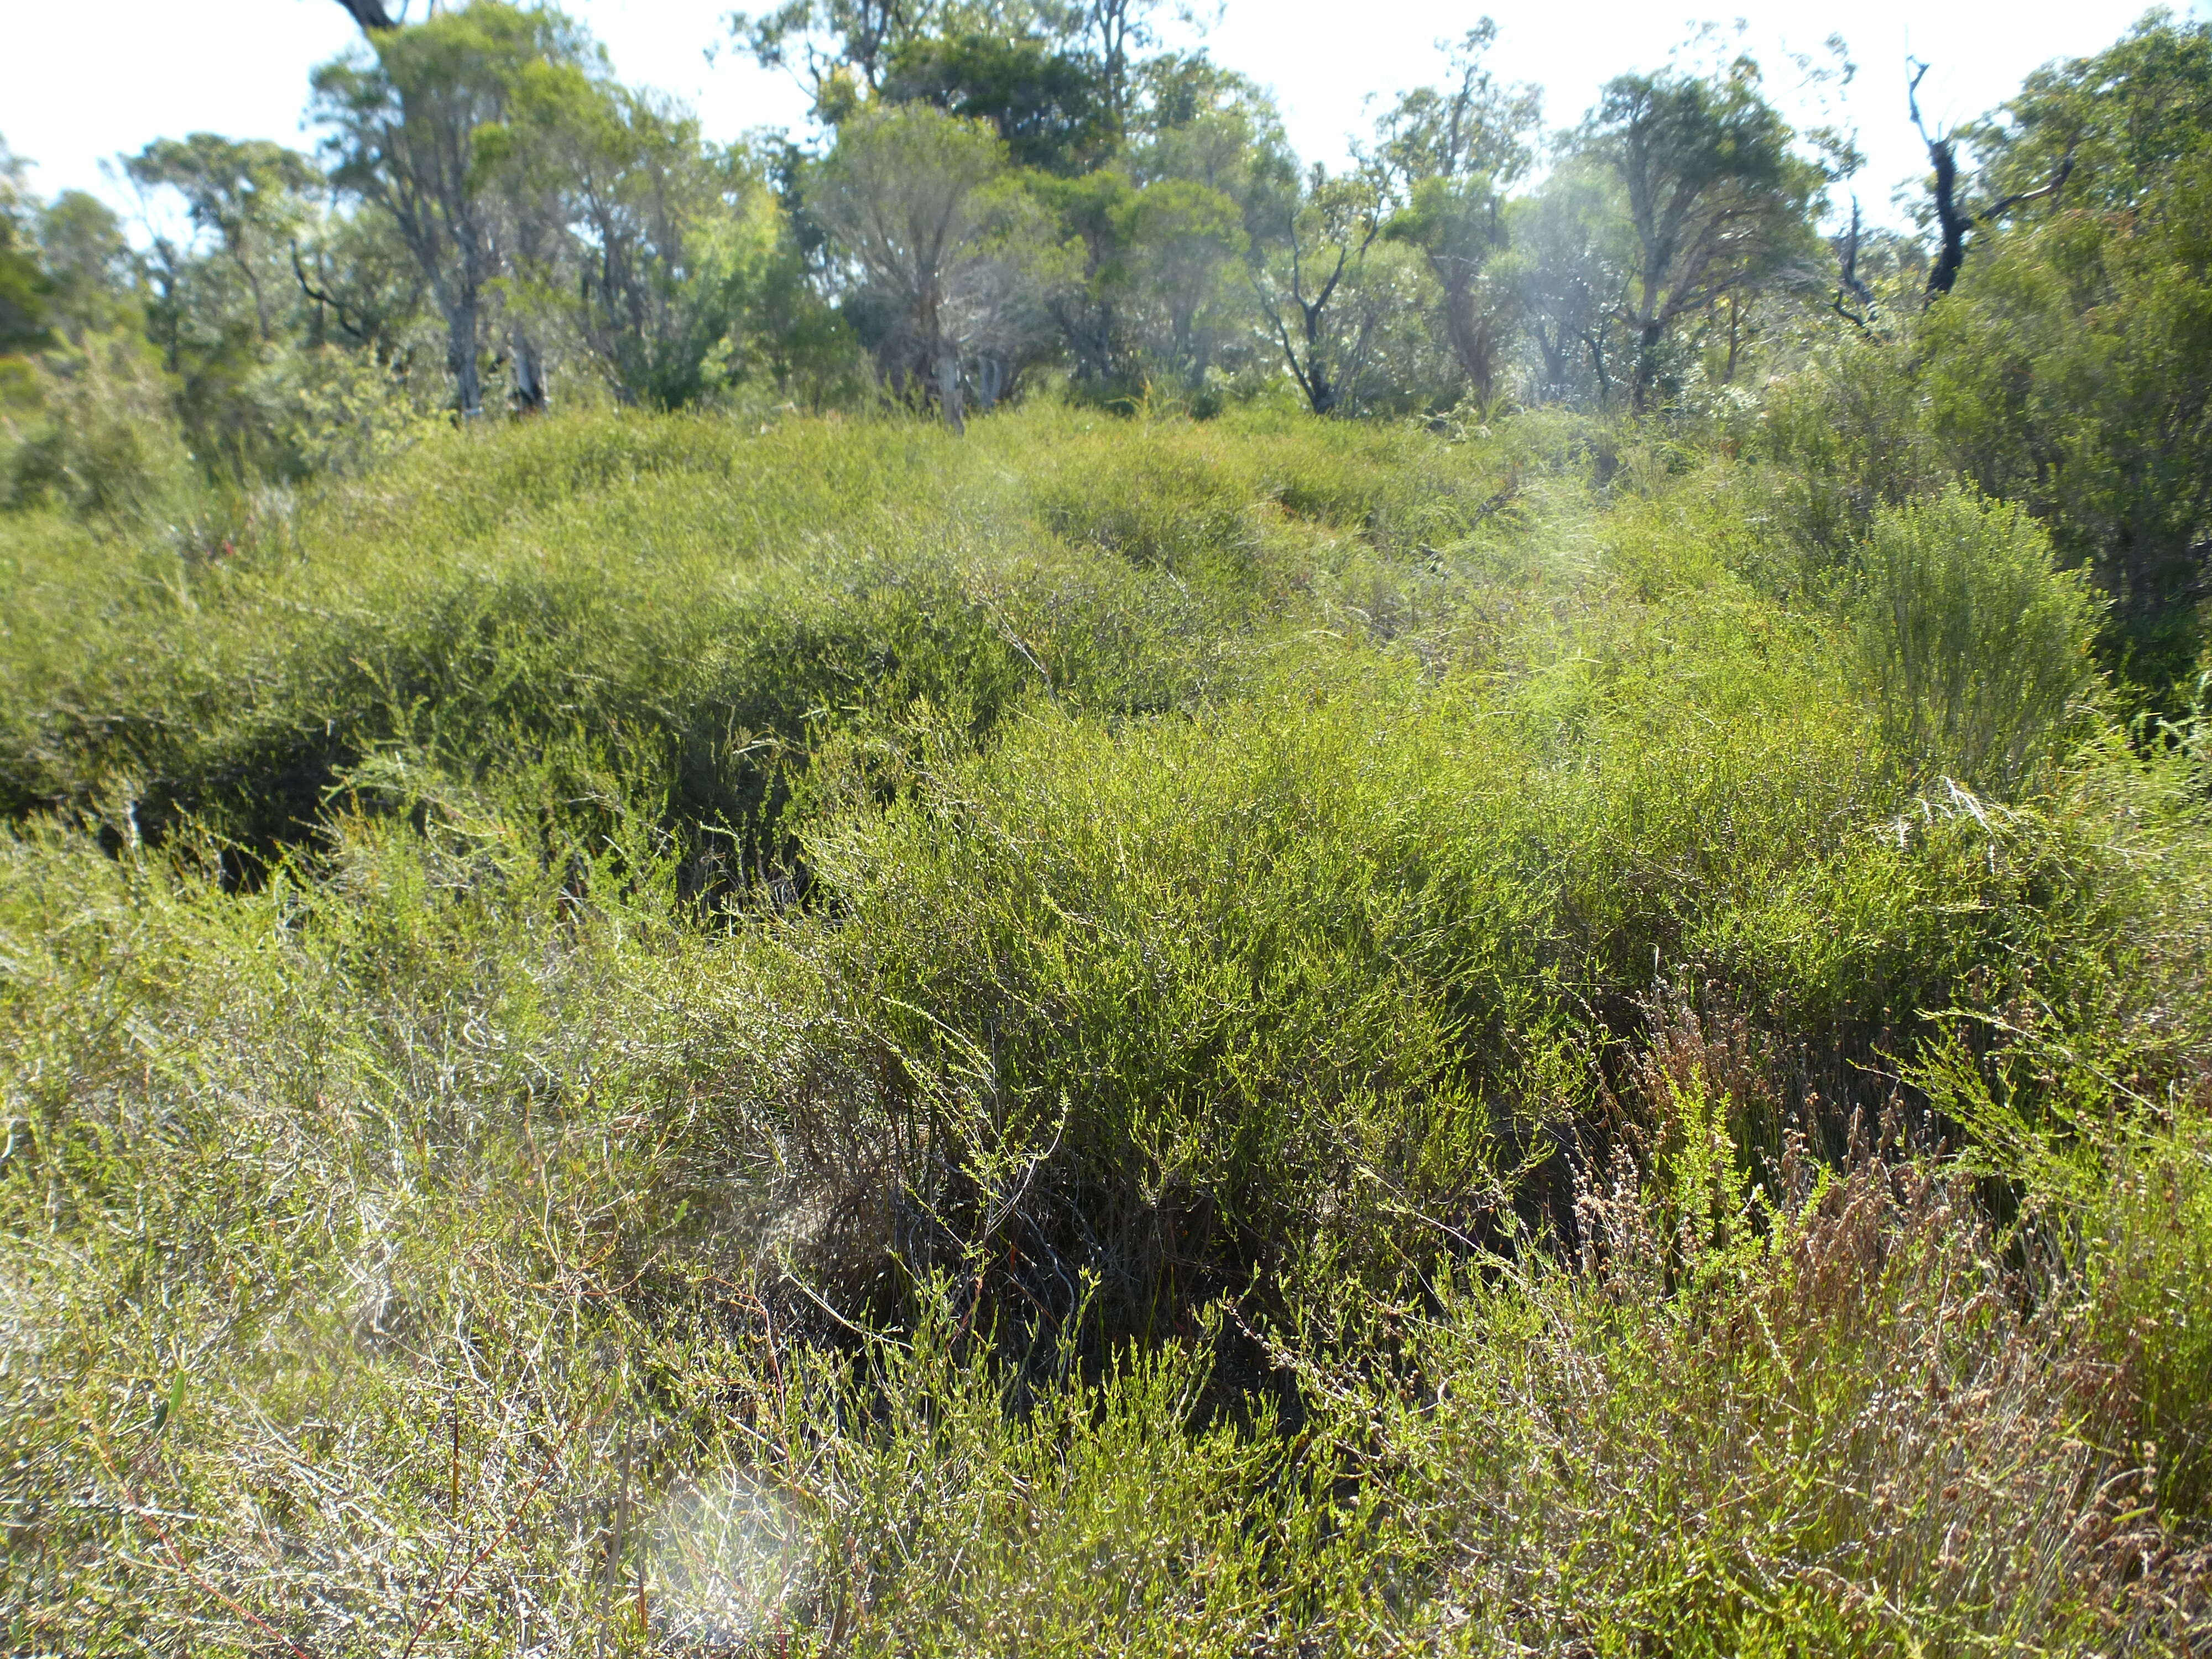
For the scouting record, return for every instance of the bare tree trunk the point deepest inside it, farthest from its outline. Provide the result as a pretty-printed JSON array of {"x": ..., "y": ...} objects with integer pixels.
[
  {"x": 461, "y": 357},
  {"x": 1114, "y": 25},
  {"x": 531, "y": 395},
  {"x": 1648, "y": 337},
  {"x": 1596, "y": 341},
  {"x": 1849, "y": 285},
  {"x": 1320, "y": 393},
  {"x": 1310, "y": 368},
  {"x": 990, "y": 382},
  {"x": 1473, "y": 341},
  {"x": 1090, "y": 338},
  {"x": 948, "y": 389},
  {"x": 1950, "y": 223}
]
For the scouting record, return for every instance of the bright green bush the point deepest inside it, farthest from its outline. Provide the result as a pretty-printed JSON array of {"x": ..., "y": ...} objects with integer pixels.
[
  {"x": 1978, "y": 647},
  {"x": 2147, "y": 1259},
  {"x": 702, "y": 599},
  {"x": 420, "y": 1181},
  {"x": 1169, "y": 1001}
]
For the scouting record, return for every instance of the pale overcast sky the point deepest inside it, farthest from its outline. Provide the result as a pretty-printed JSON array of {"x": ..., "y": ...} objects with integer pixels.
[{"x": 80, "y": 82}]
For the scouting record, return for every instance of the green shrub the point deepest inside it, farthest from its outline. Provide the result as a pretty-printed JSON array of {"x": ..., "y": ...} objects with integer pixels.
[
  {"x": 716, "y": 603},
  {"x": 1846, "y": 437},
  {"x": 1311, "y": 977},
  {"x": 1979, "y": 647},
  {"x": 105, "y": 442},
  {"x": 2146, "y": 1268}
]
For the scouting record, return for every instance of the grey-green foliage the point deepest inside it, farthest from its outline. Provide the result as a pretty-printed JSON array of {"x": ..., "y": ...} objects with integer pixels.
[
  {"x": 1567, "y": 248},
  {"x": 403, "y": 123},
  {"x": 24, "y": 287},
  {"x": 1978, "y": 645},
  {"x": 909, "y": 191}
]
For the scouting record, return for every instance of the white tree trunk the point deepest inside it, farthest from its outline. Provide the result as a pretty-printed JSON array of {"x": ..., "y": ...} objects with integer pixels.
[{"x": 948, "y": 388}]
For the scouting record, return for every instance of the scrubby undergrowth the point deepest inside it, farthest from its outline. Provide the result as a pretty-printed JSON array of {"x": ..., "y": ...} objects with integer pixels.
[{"x": 1238, "y": 1038}]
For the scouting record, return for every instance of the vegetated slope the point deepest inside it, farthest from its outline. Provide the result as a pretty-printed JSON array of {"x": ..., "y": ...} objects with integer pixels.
[{"x": 1118, "y": 1037}]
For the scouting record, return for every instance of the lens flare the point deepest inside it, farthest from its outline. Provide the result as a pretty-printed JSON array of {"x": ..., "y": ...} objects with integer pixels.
[{"x": 730, "y": 1558}]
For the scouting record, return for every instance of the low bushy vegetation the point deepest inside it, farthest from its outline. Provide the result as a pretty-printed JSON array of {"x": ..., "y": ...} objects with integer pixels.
[{"x": 641, "y": 1033}]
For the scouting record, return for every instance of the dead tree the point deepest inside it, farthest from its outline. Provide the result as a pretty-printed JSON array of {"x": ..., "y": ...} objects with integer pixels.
[
  {"x": 1851, "y": 286},
  {"x": 1953, "y": 222}
]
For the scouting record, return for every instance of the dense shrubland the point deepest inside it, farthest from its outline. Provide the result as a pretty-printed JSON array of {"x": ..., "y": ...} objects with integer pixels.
[
  {"x": 1190, "y": 1030},
  {"x": 1574, "y": 1023}
]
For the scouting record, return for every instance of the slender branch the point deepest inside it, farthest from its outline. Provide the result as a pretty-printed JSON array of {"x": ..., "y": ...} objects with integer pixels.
[
  {"x": 1321, "y": 300},
  {"x": 514, "y": 1520},
  {"x": 2050, "y": 187},
  {"x": 138, "y": 1512},
  {"x": 300, "y": 272}
]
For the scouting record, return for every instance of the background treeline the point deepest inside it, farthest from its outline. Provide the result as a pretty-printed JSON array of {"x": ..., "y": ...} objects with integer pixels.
[{"x": 1006, "y": 197}]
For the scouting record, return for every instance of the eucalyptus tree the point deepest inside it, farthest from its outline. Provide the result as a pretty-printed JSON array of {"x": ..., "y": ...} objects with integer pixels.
[
  {"x": 362, "y": 287},
  {"x": 93, "y": 283},
  {"x": 1117, "y": 30},
  {"x": 906, "y": 195},
  {"x": 1322, "y": 242},
  {"x": 1718, "y": 200},
  {"x": 601, "y": 187},
  {"x": 1047, "y": 102},
  {"x": 403, "y": 120},
  {"x": 672, "y": 259},
  {"x": 1565, "y": 267},
  {"x": 1444, "y": 157},
  {"x": 1193, "y": 120},
  {"x": 2070, "y": 368},
  {"x": 1188, "y": 245},
  {"x": 1088, "y": 273},
  {"x": 249, "y": 196},
  {"x": 25, "y": 288},
  {"x": 2119, "y": 124},
  {"x": 222, "y": 303},
  {"x": 845, "y": 51},
  {"x": 1341, "y": 304},
  {"x": 833, "y": 41},
  {"x": 2103, "y": 132}
]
